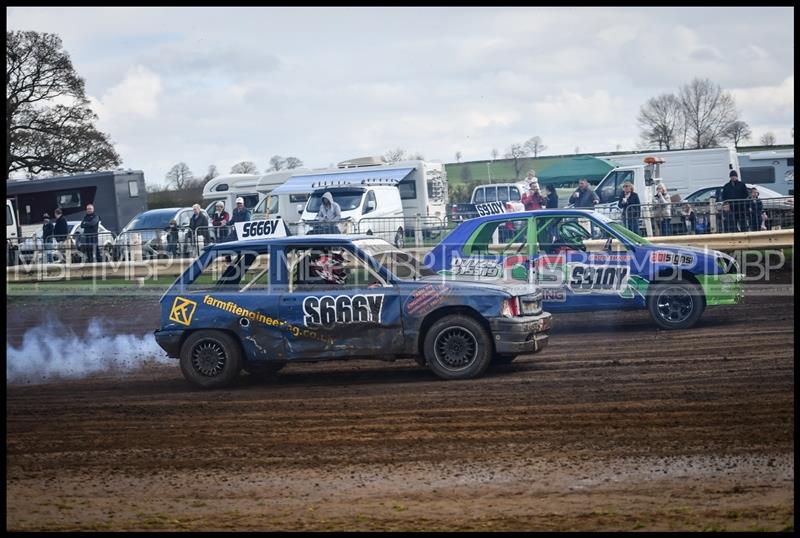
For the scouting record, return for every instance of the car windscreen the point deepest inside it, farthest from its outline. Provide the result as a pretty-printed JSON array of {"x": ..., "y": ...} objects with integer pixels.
[
  {"x": 348, "y": 199},
  {"x": 146, "y": 221}
]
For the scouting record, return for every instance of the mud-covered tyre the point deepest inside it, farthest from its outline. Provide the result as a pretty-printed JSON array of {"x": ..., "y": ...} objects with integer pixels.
[
  {"x": 458, "y": 347},
  {"x": 675, "y": 305},
  {"x": 211, "y": 359},
  {"x": 503, "y": 359},
  {"x": 264, "y": 369}
]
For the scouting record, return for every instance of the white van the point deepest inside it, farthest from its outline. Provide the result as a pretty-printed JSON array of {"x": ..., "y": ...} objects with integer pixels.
[{"x": 372, "y": 209}]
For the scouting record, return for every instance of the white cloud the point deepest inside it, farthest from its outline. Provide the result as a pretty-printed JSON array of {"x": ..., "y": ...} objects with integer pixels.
[{"x": 135, "y": 97}]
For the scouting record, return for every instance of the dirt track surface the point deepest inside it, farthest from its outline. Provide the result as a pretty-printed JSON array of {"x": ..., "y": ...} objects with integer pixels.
[{"x": 615, "y": 426}]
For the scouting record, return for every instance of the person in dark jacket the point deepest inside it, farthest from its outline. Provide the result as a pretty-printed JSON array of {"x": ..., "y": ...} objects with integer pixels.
[
  {"x": 551, "y": 200},
  {"x": 198, "y": 223},
  {"x": 172, "y": 238},
  {"x": 48, "y": 230},
  {"x": 90, "y": 225},
  {"x": 735, "y": 194},
  {"x": 630, "y": 206},
  {"x": 60, "y": 227},
  {"x": 756, "y": 214},
  {"x": 584, "y": 196},
  {"x": 239, "y": 214}
]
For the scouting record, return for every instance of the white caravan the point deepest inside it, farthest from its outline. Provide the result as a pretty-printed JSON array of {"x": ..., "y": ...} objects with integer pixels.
[
  {"x": 253, "y": 188},
  {"x": 422, "y": 186},
  {"x": 772, "y": 169}
]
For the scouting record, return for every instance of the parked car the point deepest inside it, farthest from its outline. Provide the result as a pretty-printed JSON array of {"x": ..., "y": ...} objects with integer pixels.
[
  {"x": 779, "y": 207},
  {"x": 151, "y": 226},
  {"x": 584, "y": 261},
  {"x": 333, "y": 297},
  {"x": 32, "y": 248}
]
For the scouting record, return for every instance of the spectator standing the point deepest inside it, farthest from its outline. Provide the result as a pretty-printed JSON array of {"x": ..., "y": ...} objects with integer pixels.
[
  {"x": 662, "y": 210},
  {"x": 90, "y": 225},
  {"x": 689, "y": 219},
  {"x": 551, "y": 200},
  {"x": 48, "y": 231},
  {"x": 60, "y": 227},
  {"x": 631, "y": 207},
  {"x": 756, "y": 213},
  {"x": 239, "y": 214},
  {"x": 198, "y": 224},
  {"x": 329, "y": 212},
  {"x": 735, "y": 194},
  {"x": 172, "y": 238},
  {"x": 584, "y": 196},
  {"x": 219, "y": 220},
  {"x": 533, "y": 199}
]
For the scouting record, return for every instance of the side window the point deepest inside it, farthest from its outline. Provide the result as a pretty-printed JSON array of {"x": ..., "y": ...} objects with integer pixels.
[
  {"x": 609, "y": 191},
  {"x": 9, "y": 217},
  {"x": 511, "y": 233},
  {"x": 240, "y": 272},
  {"x": 329, "y": 268},
  {"x": 502, "y": 194},
  {"x": 183, "y": 218},
  {"x": 564, "y": 234},
  {"x": 250, "y": 200},
  {"x": 68, "y": 199},
  {"x": 514, "y": 194},
  {"x": 369, "y": 199},
  {"x": 480, "y": 197},
  {"x": 491, "y": 194},
  {"x": 256, "y": 275}
]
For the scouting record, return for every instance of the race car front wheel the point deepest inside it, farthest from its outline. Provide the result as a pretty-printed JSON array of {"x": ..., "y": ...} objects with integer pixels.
[
  {"x": 211, "y": 359},
  {"x": 458, "y": 347},
  {"x": 675, "y": 305}
]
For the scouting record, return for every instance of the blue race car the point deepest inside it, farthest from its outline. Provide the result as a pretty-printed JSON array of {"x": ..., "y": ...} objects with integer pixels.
[
  {"x": 583, "y": 261},
  {"x": 260, "y": 304}
]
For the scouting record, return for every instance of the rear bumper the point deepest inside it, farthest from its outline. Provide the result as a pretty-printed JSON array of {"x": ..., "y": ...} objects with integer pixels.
[
  {"x": 170, "y": 341},
  {"x": 514, "y": 336}
]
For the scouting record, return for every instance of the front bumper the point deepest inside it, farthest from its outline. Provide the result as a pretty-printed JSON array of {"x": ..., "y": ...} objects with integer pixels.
[
  {"x": 170, "y": 341},
  {"x": 722, "y": 289},
  {"x": 527, "y": 334}
]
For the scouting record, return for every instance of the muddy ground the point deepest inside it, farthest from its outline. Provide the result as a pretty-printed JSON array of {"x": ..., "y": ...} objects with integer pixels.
[{"x": 615, "y": 426}]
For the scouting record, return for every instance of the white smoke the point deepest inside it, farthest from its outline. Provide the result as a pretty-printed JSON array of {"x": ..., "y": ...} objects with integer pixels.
[{"x": 53, "y": 351}]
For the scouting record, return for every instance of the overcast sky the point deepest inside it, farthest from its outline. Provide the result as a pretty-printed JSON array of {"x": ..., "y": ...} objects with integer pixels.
[{"x": 217, "y": 86}]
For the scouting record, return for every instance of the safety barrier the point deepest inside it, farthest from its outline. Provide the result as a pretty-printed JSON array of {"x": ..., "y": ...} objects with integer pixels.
[{"x": 711, "y": 217}]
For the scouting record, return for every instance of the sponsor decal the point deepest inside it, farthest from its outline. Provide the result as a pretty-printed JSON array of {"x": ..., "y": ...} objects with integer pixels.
[
  {"x": 597, "y": 278},
  {"x": 554, "y": 294},
  {"x": 235, "y": 309},
  {"x": 260, "y": 229},
  {"x": 182, "y": 311},
  {"x": 609, "y": 257},
  {"x": 475, "y": 267},
  {"x": 490, "y": 208},
  {"x": 328, "y": 311},
  {"x": 673, "y": 258},
  {"x": 425, "y": 299}
]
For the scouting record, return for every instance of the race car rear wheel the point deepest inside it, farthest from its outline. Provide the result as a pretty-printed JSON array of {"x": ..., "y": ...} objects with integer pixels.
[
  {"x": 675, "y": 305},
  {"x": 458, "y": 347},
  {"x": 211, "y": 359}
]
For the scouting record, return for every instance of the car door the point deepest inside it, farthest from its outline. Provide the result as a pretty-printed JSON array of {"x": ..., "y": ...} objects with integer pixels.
[
  {"x": 581, "y": 264},
  {"x": 338, "y": 306},
  {"x": 498, "y": 249}
]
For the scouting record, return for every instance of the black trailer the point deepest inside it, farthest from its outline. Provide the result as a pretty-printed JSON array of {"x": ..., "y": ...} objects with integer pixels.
[{"x": 117, "y": 195}]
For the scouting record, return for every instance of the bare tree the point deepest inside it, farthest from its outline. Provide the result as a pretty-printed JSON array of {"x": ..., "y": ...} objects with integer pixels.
[
  {"x": 211, "y": 174},
  {"x": 738, "y": 131},
  {"x": 767, "y": 139},
  {"x": 495, "y": 154},
  {"x": 180, "y": 176},
  {"x": 276, "y": 162},
  {"x": 293, "y": 162},
  {"x": 49, "y": 125},
  {"x": 458, "y": 156},
  {"x": 709, "y": 112},
  {"x": 661, "y": 121},
  {"x": 394, "y": 155},
  {"x": 517, "y": 152},
  {"x": 244, "y": 167},
  {"x": 535, "y": 146},
  {"x": 417, "y": 156}
]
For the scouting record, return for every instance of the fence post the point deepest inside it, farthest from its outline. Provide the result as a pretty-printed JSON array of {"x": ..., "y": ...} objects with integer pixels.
[
  {"x": 418, "y": 232},
  {"x": 712, "y": 215},
  {"x": 136, "y": 248}
]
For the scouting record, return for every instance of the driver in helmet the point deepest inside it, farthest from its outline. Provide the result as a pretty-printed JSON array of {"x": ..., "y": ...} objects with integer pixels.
[{"x": 328, "y": 267}]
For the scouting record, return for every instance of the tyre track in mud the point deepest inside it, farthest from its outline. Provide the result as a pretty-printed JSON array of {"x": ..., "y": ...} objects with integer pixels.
[{"x": 606, "y": 429}]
